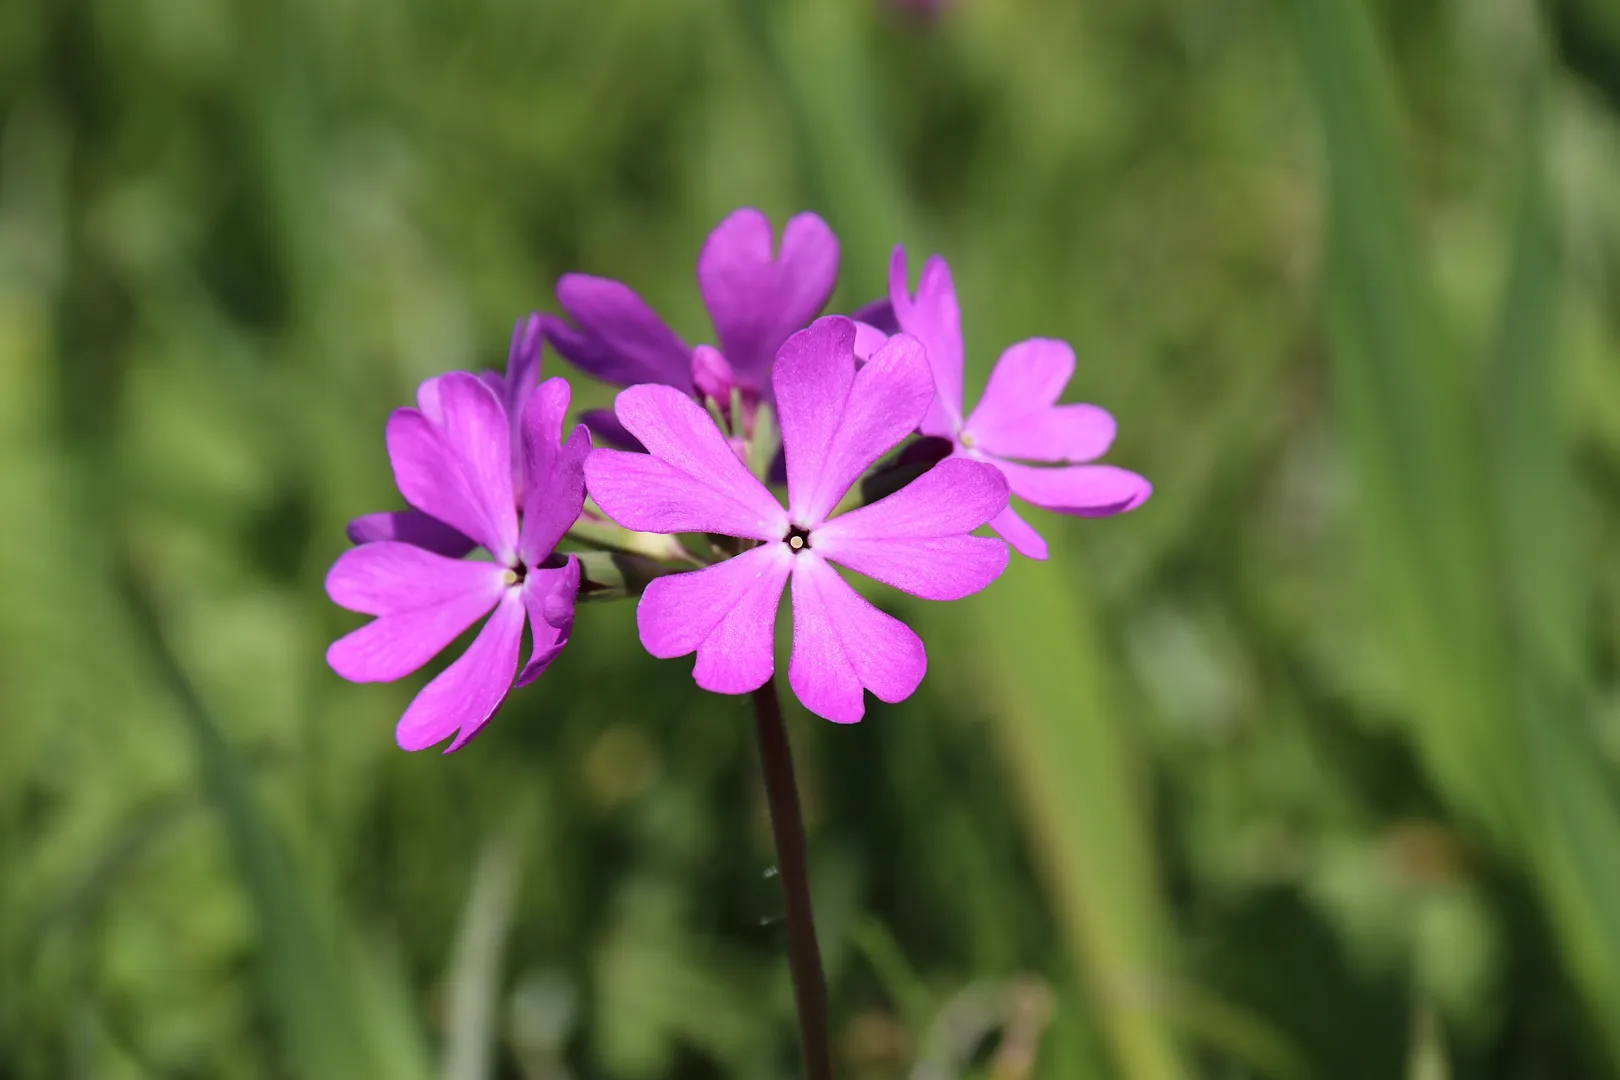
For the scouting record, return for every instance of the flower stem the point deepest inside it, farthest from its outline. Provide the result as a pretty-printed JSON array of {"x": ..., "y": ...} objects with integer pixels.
[{"x": 787, "y": 827}]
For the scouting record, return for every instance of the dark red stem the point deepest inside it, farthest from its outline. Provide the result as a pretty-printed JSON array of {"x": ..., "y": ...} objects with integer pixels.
[{"x": 787, "y": 827}]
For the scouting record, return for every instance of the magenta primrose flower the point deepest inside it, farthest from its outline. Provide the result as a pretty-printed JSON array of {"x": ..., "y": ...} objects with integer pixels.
[
  {"x": 513, "y": 388},
  {"x": 454, "y": 462},
  {"x": 835, "y": 422},
  {"x": 1018, "y": 417}
]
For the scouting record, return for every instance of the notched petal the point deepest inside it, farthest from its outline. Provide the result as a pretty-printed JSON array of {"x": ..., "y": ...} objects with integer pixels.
[
  {"x": 410, "y": 527},
  {"x": 837, "y": 422},
  {"x": 615, "y": 335},
  {"x": 758, "y": 297},
  {"x": 464, "y": 696},
  {"x": 1081, "y": 490},
  {"x": 726, "y": 613},
  {"x": 934, "y": 318},
  {"x": 691, "y": 479},
  {"x": 842, "y": 644}
]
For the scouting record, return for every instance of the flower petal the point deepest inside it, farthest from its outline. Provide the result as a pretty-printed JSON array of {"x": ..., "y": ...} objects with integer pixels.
[
  {"x": 954, "y": 497},
  {"x": 842, "y": 643},
  {"x": 879, "y": 315},
  {"x": 427, "y": 399},
  {"x": 423, "y": 602},
  {"x": 934, "y": 318},
  {"x": 712, "y": 374},
  {"x": 521, "y": 379},
  {"x": 410, "y": 527},
  {"x": 540, "y": 428},
  {"x": 460, "y": 469},
  {"x": 868, "y": 340},
  {"x": 390, "y": 647},
  {"x": 461, "y": 698},
  {"x": 607, "y": 431},
  {"x": 553, "y": 504},
  {"x": 1020, "y": 534},
  {"x": 690, "y": 480},
  {"x": 388, "y": 576},
  {"x": 1068, "y": 433},
  {"x": 549, "y": 596},
  {"x": 1017, "y": 416},
  {"x": 645, "y": 494},
  {"x": 1029, "y": 376},
  {"x": 932, "y": 567},
  {"x": 756, "y": 300},
  {"x": 837, "y": 422},
  {"x": 523, "y": 362},
  {"x": 1083, "y": 490},
  {"x": 726, "y": 613},
  {"x": 619, "y": 339},
  {"x": 555, "y": 491},
  {"x": 917, "y": 539},
  {"x": 496, "y": 383}
]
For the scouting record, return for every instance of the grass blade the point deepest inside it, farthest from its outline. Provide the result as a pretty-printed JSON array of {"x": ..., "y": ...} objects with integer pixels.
[
  {"x": 1579, "y": 827},
  {"x": 1404, "y": 403},
  {"x": 1072, "y": 761},
  {"x": 1458, "y": 521},
  {"x": 475, "y": 972},
  {"x": 305, "y": 987}
]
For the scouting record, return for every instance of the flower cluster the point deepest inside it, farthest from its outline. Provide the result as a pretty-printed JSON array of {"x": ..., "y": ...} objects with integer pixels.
[{"x": 691, "y": 448}]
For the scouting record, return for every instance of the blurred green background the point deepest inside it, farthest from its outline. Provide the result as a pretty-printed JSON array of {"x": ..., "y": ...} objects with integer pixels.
[{"x": 1306, "y": 769}]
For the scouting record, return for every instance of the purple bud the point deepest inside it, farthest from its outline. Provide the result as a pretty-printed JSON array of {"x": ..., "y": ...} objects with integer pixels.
[{"x": 712, "y": 375}]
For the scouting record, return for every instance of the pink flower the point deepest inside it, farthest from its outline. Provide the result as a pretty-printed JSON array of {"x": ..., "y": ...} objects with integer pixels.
[
  {"x": 1017, "y": 418},
  {"x": 835, "y": 422},
  {"x": 454, "y": 463}
]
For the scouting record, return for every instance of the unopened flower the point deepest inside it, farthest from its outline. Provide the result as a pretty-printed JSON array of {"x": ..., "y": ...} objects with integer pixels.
[
  {"x": 513, "y": 389},
  {"x": 835, "y": 422},
  {"x": 1018, "y": 417},
  {"x": 455, "y": 464}
]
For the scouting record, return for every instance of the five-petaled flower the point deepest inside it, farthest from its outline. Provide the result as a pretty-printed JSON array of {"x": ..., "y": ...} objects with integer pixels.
[
  {"x": 835, "y": 422},
  {"x": 1017, "y": 417},
  {"x": 457, "y": 463}
]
